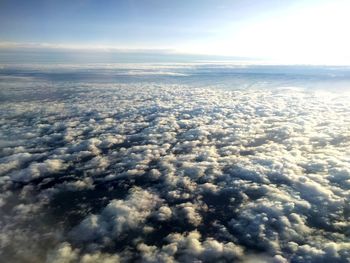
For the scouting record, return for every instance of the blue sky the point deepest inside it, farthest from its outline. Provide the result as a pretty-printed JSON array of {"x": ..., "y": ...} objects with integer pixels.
[
  {"x": 123, "y": 22},
  {"x": 284, "y": 30}
]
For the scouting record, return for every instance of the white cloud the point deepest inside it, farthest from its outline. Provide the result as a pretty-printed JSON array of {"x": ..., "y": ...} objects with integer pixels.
[
  {"x": 118, "y": 217},
  {"x": 166, "y": 173}
]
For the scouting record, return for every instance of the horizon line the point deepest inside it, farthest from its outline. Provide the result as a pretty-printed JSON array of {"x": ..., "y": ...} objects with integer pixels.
[{"x": 83, "y": 51}]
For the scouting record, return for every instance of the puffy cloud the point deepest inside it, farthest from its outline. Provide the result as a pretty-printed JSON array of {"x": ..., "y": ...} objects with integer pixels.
[
  {"x": 36, "y": 170},
  {"x": 141, "y": 171},
  {"x": 188, "y": 213},
  {"x": 118, "y": 217},
  {"x": 63, "y": 254},
  {"x": 164, "y": 213},
  {"x": 100, "y": 258},
  {"x": 190, "y": 248}
]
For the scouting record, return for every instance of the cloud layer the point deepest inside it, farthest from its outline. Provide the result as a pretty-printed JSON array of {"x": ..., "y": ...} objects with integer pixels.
[{"x": 170, "y": 173}]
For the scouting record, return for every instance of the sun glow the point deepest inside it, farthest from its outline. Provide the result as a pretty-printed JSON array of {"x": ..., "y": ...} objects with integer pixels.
[{"x": 306, "y": 34}]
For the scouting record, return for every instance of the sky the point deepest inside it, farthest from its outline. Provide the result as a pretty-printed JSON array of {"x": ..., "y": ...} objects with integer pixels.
[{"x": 308, "y": 31}]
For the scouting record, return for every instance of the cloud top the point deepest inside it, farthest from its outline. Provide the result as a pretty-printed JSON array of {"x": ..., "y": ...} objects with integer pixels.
[{"x": 148, "y": 172}]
